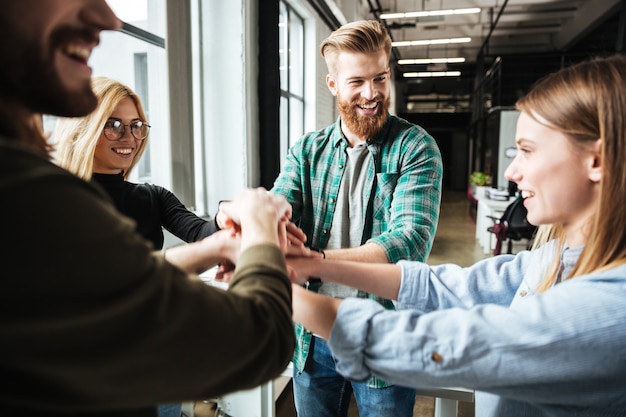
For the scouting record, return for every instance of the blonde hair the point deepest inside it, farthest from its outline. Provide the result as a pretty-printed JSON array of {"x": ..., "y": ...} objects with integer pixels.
[
  {"x": 363, "y": 36},
  {"x": 587, "y": 102},
  {"x": 76, "y": 138}
]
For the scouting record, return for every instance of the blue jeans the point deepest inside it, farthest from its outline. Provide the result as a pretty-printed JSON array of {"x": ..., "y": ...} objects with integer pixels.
[
  {"x": 170, "y": 410},
  {"x": 321, "y": 391}
]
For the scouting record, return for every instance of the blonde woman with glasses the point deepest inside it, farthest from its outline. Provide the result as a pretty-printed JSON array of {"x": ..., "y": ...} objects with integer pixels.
[{"x": 106, "y": 145}]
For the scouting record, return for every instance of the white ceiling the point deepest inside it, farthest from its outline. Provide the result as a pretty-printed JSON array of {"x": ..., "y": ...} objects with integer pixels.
[
  {"x": 523, "y": 26},
  {"x": 531, "y": 29}
]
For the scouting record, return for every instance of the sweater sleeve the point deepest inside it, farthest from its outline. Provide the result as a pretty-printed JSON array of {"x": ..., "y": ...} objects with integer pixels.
[
  {"x": 95, "y": 320},
  {"x": 179, "y": 220}
]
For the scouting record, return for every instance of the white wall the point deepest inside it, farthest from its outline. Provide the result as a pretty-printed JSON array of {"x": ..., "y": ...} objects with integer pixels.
[
  {"x": 508, "y": 124},
  {"x": 227, "y": 78}
]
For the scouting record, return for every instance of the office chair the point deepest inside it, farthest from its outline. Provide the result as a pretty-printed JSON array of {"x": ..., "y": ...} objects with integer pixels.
[{"x": 512, "y": 226}]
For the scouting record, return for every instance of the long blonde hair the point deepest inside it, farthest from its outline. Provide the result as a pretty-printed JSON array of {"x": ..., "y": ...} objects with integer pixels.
[
  {"x": 76, "y": 138},
  {"x": 586, "y": 102}
]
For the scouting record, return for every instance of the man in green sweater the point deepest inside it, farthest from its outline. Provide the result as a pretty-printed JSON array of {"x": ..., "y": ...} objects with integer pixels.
[{"x": 93, "y": 322}]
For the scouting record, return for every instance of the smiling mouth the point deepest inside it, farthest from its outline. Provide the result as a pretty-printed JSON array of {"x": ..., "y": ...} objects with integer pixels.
[
  {"x": 370, "y": 106},
  {"x": 526, "y": 194},
  {"x": 77, "y": 52},
  {"x": 123, "y": 151}
]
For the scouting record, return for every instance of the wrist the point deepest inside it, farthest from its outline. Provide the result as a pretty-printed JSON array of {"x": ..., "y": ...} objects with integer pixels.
[{"x": 220, "y": 214}]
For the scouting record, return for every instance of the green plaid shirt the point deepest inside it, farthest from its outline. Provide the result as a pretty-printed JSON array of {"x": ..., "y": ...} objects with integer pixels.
[{"x": 403, "y": 194}]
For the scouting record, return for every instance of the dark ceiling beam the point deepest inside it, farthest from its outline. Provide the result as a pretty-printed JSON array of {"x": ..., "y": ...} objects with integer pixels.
[
  {"x": 621, "y": 30},
  {"x": 325, "y": 14},
  {"x": 494, "y": 23},
  {"x": 589, "y": 16}
]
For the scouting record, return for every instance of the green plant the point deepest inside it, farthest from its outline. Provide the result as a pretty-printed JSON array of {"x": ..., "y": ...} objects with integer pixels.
[{"x": 480, "y": 178}]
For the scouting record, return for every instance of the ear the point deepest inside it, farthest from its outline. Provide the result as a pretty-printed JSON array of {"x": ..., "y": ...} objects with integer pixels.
[
  {"x": 595, "y": 161},
  {"x": 331, "y": 83}
]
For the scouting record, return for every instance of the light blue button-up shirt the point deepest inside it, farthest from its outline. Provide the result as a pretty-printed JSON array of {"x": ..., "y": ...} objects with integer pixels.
[{"x": 559, "y": 353}]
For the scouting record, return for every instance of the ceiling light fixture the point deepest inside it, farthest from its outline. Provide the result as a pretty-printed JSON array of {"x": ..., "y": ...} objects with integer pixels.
[
  {"x": 431, "y": 42},
  {"x": 426, "y": 61},
  {"x": 432, "y": 74},
  {"x": 429, "y": 13}
]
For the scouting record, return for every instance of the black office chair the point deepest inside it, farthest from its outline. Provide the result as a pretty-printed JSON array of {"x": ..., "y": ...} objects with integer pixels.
[{"x": 512, "y": 226}]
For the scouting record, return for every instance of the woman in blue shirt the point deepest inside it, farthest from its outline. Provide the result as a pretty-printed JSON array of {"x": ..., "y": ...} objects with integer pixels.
[{"x": 540, "y": 333}]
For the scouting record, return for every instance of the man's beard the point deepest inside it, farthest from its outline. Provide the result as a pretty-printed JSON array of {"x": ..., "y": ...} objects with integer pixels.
[
  {"x": 30, "y": 78},
  {"x": 365, "y": 127}
]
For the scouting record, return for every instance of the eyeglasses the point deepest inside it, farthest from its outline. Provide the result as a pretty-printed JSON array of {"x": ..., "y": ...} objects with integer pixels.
[{"x": 114, "y": 129}]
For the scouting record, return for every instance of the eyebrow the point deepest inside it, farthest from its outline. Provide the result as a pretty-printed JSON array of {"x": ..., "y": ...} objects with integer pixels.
[
  {"x": 360, "y": 78},
  {"x": 119, "y": 119},
  {"x": 522, "y": 141}
]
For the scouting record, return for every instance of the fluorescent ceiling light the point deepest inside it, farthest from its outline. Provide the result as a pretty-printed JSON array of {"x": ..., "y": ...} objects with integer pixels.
[
  {"x": 431, "y": 74},
  {"x": 431, "y": 42},
  {"x": 429, "y": 13},
  {"x": 426, "y": 61}
]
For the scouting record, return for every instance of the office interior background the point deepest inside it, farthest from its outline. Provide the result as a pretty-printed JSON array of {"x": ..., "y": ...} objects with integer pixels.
[{"x": 229, "y": 85}]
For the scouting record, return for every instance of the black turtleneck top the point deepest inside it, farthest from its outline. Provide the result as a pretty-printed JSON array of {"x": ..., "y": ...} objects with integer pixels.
[{"x": 153, "y": 208}]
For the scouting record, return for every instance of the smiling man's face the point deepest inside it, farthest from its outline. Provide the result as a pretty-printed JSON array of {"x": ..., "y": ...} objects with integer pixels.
[
  {"x": 45, "y": 45},
  {"x": 361, "y": 83}
]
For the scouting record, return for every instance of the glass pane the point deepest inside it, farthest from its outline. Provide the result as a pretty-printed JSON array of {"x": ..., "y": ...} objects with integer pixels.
[
  {"x": 296, "y": 58},
  {"x": 296, "y": 120},
  {"x": 148, "y": 15},
  {"x": 283, "y": 44},
  {"x": 284, "y": 128}
]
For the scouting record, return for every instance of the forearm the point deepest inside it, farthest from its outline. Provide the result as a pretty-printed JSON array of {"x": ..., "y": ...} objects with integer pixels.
[
  {"x": 315, "y": 312},
  {"x": 369, "y": 252},
  {"x": 195, "y": 257},
  {"x": 381, "y": 279}
]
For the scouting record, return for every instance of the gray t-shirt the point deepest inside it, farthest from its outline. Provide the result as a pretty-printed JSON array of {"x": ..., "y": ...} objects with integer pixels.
[{"x": 346, "y": 230}]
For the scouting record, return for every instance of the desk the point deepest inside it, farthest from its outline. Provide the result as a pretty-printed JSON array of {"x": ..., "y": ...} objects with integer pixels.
[
  {"x": 447, "y": 399},
  {"x": 256, "y": 402},
  {"x": 487, "y": 208}
]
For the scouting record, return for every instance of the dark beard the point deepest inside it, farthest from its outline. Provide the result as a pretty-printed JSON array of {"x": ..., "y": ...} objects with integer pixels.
[
  {"x": 29, "y": 77},
  {"x": 365, "y": 127}
]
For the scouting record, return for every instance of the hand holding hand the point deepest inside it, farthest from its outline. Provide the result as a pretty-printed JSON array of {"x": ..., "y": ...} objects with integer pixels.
[
  {"x": 302, "y": 268},
  {"x": 259, "y": 217}
]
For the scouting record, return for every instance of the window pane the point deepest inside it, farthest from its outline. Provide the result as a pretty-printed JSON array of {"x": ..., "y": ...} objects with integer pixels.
[
  {"x": 283, "y": 45},
  {"x": 284, "y": 128},
  {"x": 296, "y": 120},
  {"x": 296, "y": 59},
  {"x": 148, "y": 15}
]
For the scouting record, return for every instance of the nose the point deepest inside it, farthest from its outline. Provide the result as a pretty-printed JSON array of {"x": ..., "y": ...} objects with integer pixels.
[
  {"x": 127, "y": 134},
  {"x": 369, "y": 91},
  {"x": 512, "y": 172},
  {"x": 98, "y": 13}
]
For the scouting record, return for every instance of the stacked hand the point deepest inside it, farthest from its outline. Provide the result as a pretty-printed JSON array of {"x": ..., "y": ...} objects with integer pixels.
[{"x": 257, "y": 216}]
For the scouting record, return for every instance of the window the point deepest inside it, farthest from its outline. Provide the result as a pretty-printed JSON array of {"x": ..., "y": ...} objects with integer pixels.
[{"x": 291, "y": 51}]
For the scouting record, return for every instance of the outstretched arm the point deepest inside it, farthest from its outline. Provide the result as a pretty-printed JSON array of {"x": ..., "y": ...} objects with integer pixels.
[
  {"x": 197, "y": 257},
  {"x": 315, "y": 312},
  {"x": 380, "y": 279},
  {"x": 255, "y": 217}
]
